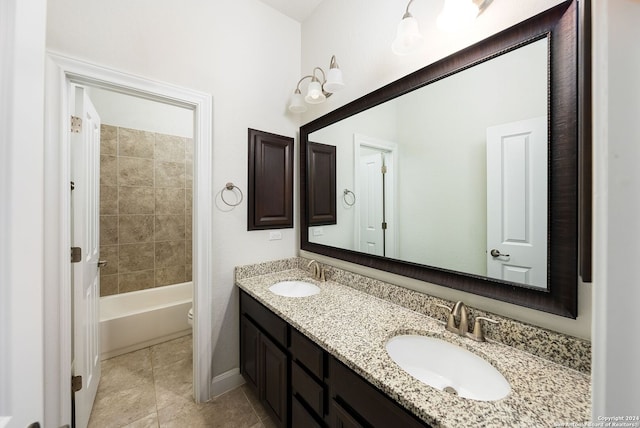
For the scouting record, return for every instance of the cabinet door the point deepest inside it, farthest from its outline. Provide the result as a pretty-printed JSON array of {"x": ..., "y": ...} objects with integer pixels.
[
  {"x": 341, "y": 418},
  {"x": 249, "y": 339},
  {"x": 274, "y": 380}
]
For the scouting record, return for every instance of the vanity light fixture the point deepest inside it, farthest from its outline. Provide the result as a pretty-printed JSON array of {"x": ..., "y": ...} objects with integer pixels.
[
  {"x": 317, "y": 90},
  {"x": 455, "y": 14}
]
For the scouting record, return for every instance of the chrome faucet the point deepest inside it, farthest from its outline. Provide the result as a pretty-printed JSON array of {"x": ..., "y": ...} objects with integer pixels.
[{"x": 317, "y": 271}]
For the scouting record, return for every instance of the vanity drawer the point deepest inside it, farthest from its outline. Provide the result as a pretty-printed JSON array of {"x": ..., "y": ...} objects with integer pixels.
[
  {"x": 300, "y": 417},
  {"x": 307, "y": 353},
  {"x": 365, "y": 401},
  {"x": 273, "y": 325},
  {"x": 307, "y": 388}
]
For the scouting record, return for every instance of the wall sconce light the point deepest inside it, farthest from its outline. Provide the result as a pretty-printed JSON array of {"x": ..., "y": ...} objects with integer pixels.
[
  {"x": 455, "y": 15},
  {"x": 317, "y": 90}
]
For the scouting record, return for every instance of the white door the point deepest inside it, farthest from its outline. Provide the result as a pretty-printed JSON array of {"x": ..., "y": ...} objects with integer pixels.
[
  {"x": 85, "y": 201},
  {"x": 371, "y": 204},
  {"x": 517, "y": 202}
]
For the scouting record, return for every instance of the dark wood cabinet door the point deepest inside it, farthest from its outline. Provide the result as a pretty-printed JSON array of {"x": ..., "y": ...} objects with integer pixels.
[
  {"x": 249, "y": 339},
  {"x": 274, "y": 380},
  {"x": 321, "y": 190},
  {"x": 340, "y": 418},
  {"x": 270, "y": 181}
]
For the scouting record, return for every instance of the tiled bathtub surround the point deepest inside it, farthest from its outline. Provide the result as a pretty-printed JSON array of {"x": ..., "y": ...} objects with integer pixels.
[
  {"x": 557, "y": 347},
  {"x": 145, "y": 209},
  {"x": 354, "y": 326}
]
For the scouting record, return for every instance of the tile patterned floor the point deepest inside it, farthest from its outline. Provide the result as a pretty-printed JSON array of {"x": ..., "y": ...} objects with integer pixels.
[{"x": 152, "y": 388}]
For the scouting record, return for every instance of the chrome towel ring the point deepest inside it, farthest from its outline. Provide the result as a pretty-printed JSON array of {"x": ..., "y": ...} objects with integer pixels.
[
  {"x": 229, "y": 187},
  {"x": 345, "y": 197}
]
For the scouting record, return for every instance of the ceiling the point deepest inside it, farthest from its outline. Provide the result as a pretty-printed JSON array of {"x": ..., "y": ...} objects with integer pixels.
[{"x": 296, "y": 9}]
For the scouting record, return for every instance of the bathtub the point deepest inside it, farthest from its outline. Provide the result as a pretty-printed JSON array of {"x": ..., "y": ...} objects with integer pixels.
[{"x": 139, "y": 319}]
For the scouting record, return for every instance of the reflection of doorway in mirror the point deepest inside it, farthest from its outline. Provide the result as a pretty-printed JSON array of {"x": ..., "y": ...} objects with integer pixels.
[
  {"x": 517, "y": 202},
  {"x": 374, "y": 182}
]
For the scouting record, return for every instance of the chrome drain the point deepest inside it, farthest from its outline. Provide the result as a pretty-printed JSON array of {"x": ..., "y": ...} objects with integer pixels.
[{"x": 450, "y": 390}]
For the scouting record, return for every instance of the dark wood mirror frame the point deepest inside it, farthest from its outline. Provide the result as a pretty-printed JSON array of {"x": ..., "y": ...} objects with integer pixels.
[{"x": 560, "y": 25}]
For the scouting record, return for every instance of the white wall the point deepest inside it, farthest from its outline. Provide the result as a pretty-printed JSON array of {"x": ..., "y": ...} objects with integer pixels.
[
  {"x": 442, "y": 173},
  {"x": 242, "y": 52},
  {"x": 616, "y": 348},
  {"x": 22, "y": 43},
  {"x": 128, "y": 111},
  {"x": 360, "y": 36}
]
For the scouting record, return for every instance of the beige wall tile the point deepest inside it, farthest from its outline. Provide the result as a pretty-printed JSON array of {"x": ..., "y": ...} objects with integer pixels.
[
  {"x": 109, "y": 253},
  {"x": 136, "y": 200},
  {"x": 170, "y": 201},
  {"x": 188, "y": 275},
  {"x": 170, "y": 275},
  {"x": 108, "y": 230},
  {"x": 170, "y": 174},
  {"x": 135, "y": 143},
  {"x": 134, "y": 281},
  {"x": 188, "y": 227},
  {"x": 135, "y": 214},
  {"x": 136, "y": 257},
  {"x": 108, "y": 140},
  {"x": 188, "y": 165},
  {"x": 108, "y": 285},
  {"x": 135, "y": 172},
  {"x": 135, "y": 228},
  {"x": 170, "y": 227},
  {"x": 170, "y": 148},
  {"x": 170, "y": 253},
  {"x": 108, "y": 200},
  {"x": 108, "y": 170},
  {"x": 188, "y": 252}
]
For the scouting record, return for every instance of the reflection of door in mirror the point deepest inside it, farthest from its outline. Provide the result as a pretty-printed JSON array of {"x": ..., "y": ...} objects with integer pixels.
[
  {"x": 517, "y": 202},
  {"x": 375, "y": 183},
  {"x": 440, "y": 134}
]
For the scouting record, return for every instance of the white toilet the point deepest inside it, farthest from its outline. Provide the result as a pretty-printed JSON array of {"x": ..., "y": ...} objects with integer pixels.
[{"x": 190, "y": 316}]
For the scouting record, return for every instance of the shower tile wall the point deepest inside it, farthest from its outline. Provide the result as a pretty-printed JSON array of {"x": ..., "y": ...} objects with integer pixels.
[{"x": 145, "y": 209}]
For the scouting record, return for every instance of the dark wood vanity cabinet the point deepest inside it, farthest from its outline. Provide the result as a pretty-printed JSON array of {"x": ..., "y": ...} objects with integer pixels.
[
  {"x": 303, "y": 386},
  {"x": 263, "y": 357}
]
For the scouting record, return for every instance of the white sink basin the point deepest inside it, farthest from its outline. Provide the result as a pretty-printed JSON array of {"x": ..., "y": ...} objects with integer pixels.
[
  {"x": 448, "y": 367},
  {"x": 294, "y": 289}
]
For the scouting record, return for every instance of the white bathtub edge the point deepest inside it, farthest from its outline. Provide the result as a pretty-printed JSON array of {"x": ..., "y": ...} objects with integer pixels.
[
  {"x": 225, "y": 382},
  {"x": 142, "y": 345}
]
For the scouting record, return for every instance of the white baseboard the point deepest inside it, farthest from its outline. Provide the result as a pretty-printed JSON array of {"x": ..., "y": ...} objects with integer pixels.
[{"x": 226, "y": 382}]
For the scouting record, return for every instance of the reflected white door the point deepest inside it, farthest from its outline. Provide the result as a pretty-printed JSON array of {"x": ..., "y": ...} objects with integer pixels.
[
  {"x": 371, "y": 204},
  {"x": 517, "y": 202},
  {"x": 85, "y": 201}
]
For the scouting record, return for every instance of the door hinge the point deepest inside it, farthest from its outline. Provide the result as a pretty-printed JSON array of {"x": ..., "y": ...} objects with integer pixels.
[
  {"x": 76, "y": 124},
  {"x": 76, "y": 383},
  {"x": 383, "y": 169},
  {"x": 73, "y": 186},
  {"x": 76, "y": 254},
  {"x": 384, "y": 225}
]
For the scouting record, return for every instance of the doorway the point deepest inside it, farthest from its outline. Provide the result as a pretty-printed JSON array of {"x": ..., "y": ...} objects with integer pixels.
[
  {"x": 375, "y": 182},
  {"x": 62, "y": 74}
]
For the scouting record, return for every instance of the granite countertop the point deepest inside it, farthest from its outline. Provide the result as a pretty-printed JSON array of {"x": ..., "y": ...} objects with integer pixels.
[{"x": 355, "y": 326}]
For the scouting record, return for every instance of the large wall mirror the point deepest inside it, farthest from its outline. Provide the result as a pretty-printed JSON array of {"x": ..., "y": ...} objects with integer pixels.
[{"x": 465, "y": 173}]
